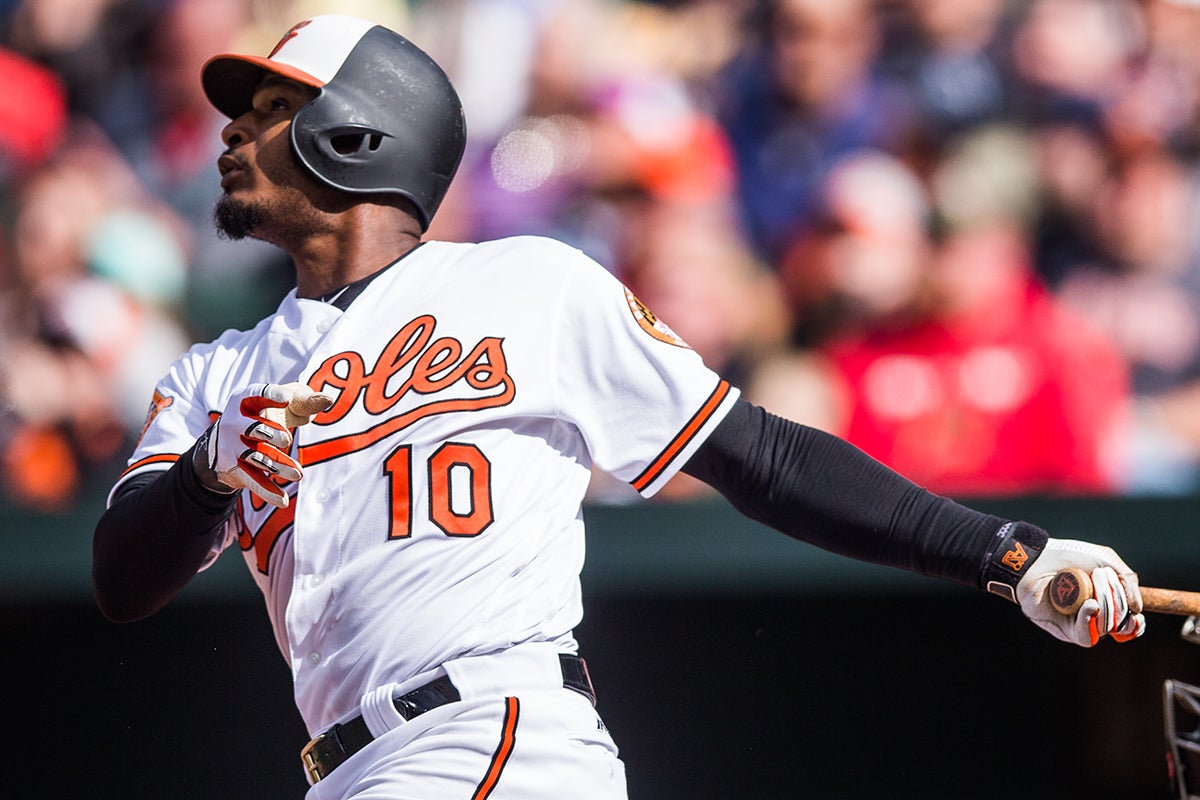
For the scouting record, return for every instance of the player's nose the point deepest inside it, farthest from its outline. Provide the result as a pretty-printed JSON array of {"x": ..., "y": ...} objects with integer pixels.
[{"x": 237, "y": 130}]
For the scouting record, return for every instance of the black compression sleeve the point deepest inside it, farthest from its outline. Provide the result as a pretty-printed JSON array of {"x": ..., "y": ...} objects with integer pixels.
[
  {"x": 153, "y": 538},
  {"x": 823, "y": 490}
]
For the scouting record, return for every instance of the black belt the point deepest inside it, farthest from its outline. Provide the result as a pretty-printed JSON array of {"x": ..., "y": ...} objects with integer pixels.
[{"x": 324, "y": 753}]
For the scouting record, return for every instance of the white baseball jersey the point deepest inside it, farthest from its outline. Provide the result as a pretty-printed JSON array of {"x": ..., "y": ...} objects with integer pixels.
[{"x": 439, "y": 515}]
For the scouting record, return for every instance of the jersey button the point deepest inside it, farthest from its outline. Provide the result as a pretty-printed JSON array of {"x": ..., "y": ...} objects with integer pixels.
[
  {"x": 322, "y": 496},
  {"x": 314, "y": 658},
  {"x": 324, "y": 325}
]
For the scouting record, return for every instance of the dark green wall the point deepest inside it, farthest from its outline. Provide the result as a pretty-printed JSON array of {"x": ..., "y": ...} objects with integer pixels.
[{"x": 731, "y": 661}]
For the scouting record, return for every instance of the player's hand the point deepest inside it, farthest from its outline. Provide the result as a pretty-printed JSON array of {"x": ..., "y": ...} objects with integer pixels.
[
  {"x": 246, "y": 447},
  {"x": 1114, "y": 609}
]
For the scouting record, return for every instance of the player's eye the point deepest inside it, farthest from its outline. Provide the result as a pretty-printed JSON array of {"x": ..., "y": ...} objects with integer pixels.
[{"x": 271, "y": 102}]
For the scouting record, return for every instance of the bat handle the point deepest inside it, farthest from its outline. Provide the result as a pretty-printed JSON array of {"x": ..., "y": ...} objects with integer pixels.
[
  {"x": 1170, "y": 601},
  {"x": 1069, "y": 589}
]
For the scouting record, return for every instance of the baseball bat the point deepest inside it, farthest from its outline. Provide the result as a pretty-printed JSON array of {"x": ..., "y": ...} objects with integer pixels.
[{"x": 1071, "y": 586}]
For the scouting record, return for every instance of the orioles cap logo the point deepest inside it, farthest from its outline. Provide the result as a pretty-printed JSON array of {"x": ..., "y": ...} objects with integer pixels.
[{"x": 292, "y": 33}]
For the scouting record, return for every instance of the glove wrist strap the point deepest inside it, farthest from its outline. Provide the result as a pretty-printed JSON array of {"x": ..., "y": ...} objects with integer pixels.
[
  {"x": 1014, "y": 548},
  {"x": 202, "y": 461}
]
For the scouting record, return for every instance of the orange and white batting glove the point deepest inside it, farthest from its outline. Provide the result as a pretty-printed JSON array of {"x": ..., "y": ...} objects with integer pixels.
[
  {"x": 1114, "y": 617},
  {"x": 1114, "y": 608},
  {"x": 247, "y": 446}
]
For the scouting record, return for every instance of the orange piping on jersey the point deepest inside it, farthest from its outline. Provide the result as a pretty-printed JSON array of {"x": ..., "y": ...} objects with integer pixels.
[
  {"x": 680, "y": 441},
  {"x": 334, "y": 448},
  {"x": 508, "y": 738},
  {"x": 164, "y": 458}
]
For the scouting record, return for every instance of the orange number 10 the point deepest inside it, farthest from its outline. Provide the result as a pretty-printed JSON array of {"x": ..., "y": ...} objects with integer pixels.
[{"x": 460, "y": 490}]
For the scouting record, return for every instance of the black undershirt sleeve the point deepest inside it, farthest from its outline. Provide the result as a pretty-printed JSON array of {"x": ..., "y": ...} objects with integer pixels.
[
  {"x": 160, "y": 529},
  {"x": 822, "y": 490},
  {"x": 156, "y": 534}
]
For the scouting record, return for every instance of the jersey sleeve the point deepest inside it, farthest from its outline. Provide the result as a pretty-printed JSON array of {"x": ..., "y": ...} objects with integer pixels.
[
  {"x": 642, "y": 398},
  {"x": 174, "y": 419},
  {"x": 173, "y": 422}
]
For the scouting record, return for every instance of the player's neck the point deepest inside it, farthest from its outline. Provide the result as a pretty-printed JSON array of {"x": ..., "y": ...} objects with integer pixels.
[{"x": 333, "y": 259}]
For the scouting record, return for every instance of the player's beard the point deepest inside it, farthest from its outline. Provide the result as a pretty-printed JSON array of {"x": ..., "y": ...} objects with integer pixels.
[{"x": 236, "y": 220}]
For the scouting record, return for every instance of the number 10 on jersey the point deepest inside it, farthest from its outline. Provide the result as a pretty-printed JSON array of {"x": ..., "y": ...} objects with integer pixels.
[{"x": 460, "y": 490}]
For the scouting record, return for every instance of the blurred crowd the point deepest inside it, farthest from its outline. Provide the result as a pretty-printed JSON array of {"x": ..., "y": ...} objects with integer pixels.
[{"x": 959, "y": 233}]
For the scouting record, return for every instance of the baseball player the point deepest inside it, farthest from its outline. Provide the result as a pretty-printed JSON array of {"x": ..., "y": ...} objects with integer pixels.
[{"x": 401, "y": 451}]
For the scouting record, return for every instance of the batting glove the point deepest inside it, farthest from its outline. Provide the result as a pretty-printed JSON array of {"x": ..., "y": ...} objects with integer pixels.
[
  {"x": 246, "y": 447},
  {"x": 1114, "y": 608}
]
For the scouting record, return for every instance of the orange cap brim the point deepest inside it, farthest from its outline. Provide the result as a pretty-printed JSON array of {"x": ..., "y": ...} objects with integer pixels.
[{"x": 229, "y": 80}]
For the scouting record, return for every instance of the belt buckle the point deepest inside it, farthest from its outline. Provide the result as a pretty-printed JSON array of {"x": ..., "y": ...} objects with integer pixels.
[{"x": 312, "y": 767}]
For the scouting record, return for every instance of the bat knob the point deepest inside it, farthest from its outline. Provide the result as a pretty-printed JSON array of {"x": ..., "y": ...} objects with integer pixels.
[{"x": 1069, "y": 588}]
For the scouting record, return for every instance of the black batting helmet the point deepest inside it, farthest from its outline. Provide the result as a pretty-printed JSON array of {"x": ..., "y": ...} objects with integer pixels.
[{"x": 386, "y": 119}]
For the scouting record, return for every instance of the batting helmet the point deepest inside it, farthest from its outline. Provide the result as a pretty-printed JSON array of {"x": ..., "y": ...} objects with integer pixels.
[{"x": 386, "y": 119}]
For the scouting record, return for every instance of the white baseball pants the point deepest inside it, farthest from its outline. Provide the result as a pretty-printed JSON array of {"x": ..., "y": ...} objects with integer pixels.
[{"x": 517, "y": 734}]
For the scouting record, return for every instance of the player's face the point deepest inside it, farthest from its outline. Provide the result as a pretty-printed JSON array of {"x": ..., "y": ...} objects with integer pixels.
[{"x": 265, "y": 189}]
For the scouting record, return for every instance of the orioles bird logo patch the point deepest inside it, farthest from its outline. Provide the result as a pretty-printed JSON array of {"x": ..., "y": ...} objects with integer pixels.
[
  {"x": 157, "y": 404},
  {"x": 652, "y": 324}
]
